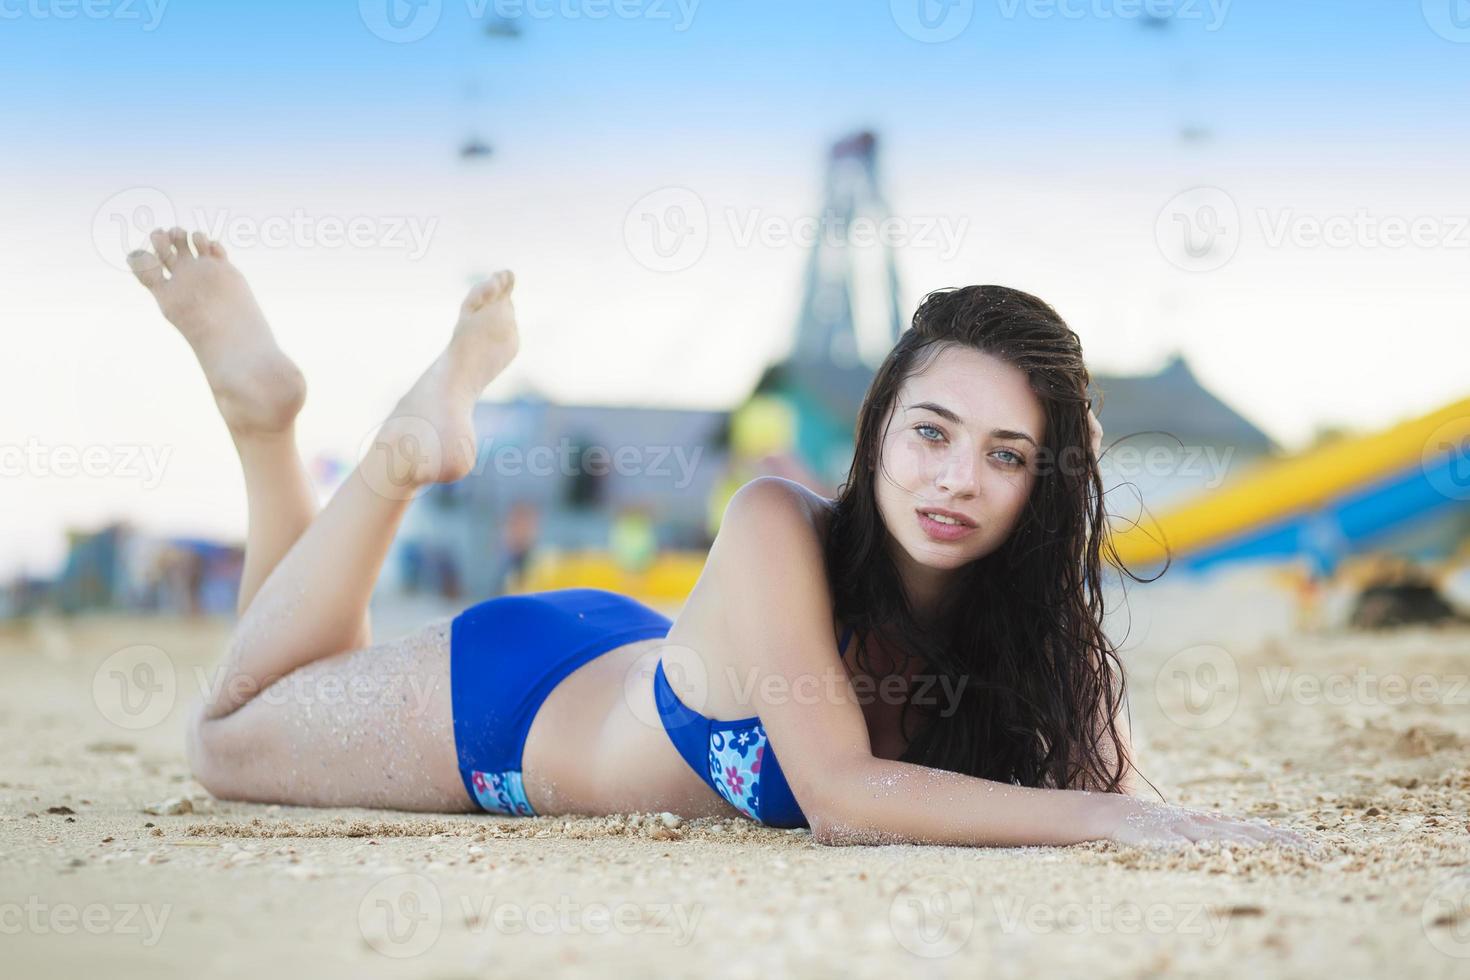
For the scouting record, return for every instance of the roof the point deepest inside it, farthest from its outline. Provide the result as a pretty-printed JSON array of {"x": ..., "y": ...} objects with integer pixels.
[
  {"x": 527, "y": 418},
  {"x": 1174, "y": 402}
]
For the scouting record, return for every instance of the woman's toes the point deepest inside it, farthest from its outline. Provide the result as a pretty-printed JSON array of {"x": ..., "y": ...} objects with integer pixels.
[
  {"x": 490, "y": 290},
  {"x": 146, "y": 267},
  {"x": 162, "y": 247},
  {"x": 179, "y": 239},
  {"x": 201, "y": 243},
  {"x": 478, "y": 296}
]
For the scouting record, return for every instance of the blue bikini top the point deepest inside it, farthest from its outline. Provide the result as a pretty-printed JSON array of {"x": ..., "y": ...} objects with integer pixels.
[{"x": 733, "y": 757}]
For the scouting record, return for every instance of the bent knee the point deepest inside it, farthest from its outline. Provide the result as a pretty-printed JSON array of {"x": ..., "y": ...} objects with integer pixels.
[
  {"x": 205, "y": 752},
  {"x": 227, "y": 754}
]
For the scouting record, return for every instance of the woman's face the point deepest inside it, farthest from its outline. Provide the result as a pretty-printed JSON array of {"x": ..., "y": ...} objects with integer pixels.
[{"x": 963, "y": 436}]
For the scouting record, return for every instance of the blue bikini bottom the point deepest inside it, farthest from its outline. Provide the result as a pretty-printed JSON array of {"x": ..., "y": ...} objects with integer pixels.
[{"x": 506, "y": 655}]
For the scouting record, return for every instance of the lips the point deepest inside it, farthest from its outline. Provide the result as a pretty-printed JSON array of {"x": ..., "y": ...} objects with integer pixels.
[
  {"x": 945, "y": 512},
  {"x": 939, "y": 531}
]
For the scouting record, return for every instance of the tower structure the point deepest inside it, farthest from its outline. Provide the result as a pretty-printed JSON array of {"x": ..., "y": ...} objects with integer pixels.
[{"x": 849, "y": 286}]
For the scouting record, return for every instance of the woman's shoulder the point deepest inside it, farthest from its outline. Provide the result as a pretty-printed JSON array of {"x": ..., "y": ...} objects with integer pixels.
[
  {"x": 775, "y": 499},
  {"x": 773, "y": 529},
  {"x": 764, "y": 590}
]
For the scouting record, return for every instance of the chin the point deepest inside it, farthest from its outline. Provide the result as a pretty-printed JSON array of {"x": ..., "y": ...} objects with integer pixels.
[{"x": 941, "y": 557}]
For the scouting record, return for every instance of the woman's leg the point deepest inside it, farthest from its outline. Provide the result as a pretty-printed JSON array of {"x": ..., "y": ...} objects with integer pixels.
[
  {"x": 312, "y": 603},
  {"x": 258, "y": 390},
  {"x": 317, "y": 593},
  {"x": 368, "y": 727},
  {"x": 297, "y": 715}
]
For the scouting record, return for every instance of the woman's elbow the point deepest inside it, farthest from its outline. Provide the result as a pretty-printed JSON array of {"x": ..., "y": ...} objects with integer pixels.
[
  {"x": 835, "y": 816},
  {"x": 832, "y": 831},
  {"x": 824, "y": 829}
]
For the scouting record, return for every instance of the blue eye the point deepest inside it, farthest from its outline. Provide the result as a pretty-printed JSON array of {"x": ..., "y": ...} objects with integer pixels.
[
  {"x": 1018, "y": 460},
  {"x": 931, "y": 428}
]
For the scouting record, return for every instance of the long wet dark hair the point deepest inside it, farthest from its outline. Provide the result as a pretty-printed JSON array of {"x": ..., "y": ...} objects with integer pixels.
[{"x": 1018, "y": 632}]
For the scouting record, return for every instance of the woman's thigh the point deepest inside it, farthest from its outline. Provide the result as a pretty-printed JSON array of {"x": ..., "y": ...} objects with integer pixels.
[{"x": 371, "y": 727}]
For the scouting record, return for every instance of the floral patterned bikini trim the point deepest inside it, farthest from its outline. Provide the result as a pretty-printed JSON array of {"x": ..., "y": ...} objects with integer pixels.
[
  {"x": 501, "y": 792},
  {"x": 735, "y": 766}
]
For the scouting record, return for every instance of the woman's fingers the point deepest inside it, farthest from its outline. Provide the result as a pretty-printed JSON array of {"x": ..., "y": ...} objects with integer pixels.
[{"x": 1175, "y": 825}]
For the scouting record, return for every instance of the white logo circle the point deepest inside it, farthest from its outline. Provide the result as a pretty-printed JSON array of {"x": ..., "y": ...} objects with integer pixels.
[
  {"x": 932, "y": 21},
  {"x": 135, "y": 687},
  {"x": 1199, "y": 229},
  {"x": 687, "y": 673},
  {"x": 932, "y": 916},
  {"x": 401, "y": 916},
  {"x": 1446, "y": 459},
  {"x": 667, "y": 230},
  {"x": 122, "y": 222},
  {"x": 1445, "y": 917},
  {"x": 400, "y": 21},
  {"x": 395, "y": 464},
  {"x": 1450, "y": 19},
  {"x": 1198, "y": 687}
]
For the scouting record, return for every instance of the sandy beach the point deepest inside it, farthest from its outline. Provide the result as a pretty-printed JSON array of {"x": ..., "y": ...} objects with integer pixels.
[{"x": 1361, "y": 740}]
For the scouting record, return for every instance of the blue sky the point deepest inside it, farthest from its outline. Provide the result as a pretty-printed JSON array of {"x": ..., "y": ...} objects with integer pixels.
[
  {"x": 262, "y": 75},
  {"x": 1050, "y": 136}
]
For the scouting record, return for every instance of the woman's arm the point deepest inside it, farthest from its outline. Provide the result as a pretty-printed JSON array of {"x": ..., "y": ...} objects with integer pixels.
[
  {"x": 768, "y": 555},
  {"x": 878, "y": 801}
]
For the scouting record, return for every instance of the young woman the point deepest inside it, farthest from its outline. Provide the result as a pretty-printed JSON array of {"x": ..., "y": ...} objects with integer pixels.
[{"x": 918, "y": 660}]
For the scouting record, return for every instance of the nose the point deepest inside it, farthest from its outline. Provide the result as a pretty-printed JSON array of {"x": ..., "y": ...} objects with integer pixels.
[{"x": 957, "y": 475}]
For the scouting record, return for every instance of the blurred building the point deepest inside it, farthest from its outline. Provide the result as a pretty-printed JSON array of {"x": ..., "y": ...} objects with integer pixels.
[
  {"x": 24, "y": 596},
  {"x": 1167, "y": 437},
  {"x": 121, "y": 568},
  {"x": 626, "y": 481}
]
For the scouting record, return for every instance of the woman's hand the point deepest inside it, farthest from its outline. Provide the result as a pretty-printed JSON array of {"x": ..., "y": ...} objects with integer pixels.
[{"x": 1129, "y": 820}]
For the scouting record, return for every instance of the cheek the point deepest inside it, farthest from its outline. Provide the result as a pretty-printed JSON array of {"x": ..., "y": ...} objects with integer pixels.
[
  {"x": 902, "y": 464},
  {"x": 1018, "y": 492},
  {"x": 1008, "y": 493},
  {"x": 911, "y": 462}
]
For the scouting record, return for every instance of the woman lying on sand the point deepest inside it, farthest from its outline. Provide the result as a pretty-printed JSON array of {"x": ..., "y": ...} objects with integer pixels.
[{"x": 923, "y": 652}]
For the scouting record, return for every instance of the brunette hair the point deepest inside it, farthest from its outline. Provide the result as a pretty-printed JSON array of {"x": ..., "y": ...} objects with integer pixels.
[{"x": 1032, "y": 684}]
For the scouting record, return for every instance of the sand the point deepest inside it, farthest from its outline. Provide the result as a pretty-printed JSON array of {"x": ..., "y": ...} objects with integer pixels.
[{"x": 1300, "y": 729}]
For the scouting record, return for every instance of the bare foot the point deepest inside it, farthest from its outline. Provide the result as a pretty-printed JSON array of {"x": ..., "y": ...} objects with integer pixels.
[
  {"x": 256, "y": 386},
  {"x": 430, "y": 437}
]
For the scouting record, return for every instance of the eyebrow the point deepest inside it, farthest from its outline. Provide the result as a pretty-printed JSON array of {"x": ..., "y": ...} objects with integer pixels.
[{"x": 945, "y": 413}]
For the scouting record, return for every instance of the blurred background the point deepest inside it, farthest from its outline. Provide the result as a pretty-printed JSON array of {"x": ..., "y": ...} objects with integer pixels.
[{"x": 721, "y": 215}]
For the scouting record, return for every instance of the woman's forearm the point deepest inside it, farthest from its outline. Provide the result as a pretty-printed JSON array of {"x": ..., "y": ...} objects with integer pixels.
[{"x": 879, "y": 801}]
